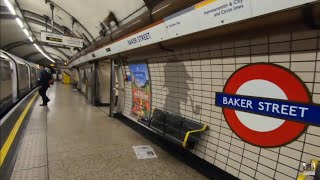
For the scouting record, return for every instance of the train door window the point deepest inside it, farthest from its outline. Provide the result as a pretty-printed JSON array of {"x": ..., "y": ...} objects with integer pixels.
[
  {"x": 24, "y": 72},
  {"x": 5, "y": 70}
]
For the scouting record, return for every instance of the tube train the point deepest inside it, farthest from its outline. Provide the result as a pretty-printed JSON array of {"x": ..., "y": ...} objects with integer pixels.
[{"x": 17, "y": 78}]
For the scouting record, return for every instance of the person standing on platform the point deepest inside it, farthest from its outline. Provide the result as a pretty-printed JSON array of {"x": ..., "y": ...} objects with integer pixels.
[{"x": 44, "y": 83}]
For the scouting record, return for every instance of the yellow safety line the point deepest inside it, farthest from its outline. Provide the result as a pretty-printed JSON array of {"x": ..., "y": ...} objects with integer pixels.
[
  {"x": 13, "y": 133},
  {"x": 193, "y": 131}
]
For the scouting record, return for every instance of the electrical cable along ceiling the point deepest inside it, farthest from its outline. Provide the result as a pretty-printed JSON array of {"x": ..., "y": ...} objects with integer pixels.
[{"x": 22, "y": 22}]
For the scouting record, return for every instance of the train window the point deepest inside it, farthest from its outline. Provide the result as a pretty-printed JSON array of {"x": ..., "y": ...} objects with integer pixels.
[
  {"x": 33, "y": 72},
  {"x": 5, "y": 70},
  {"x": 23, "y": 71}
]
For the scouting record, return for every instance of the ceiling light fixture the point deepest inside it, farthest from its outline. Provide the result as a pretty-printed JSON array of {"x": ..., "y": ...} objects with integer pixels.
[
  {"x": 10, "y": 7},
  {"x": 26, "y": 32},
  {"x": 19, "y": 22},
  {"x": 35, "y": 45}
]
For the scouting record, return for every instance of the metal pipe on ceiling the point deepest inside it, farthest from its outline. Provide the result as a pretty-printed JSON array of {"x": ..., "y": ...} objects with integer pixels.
[
  {"x": 52, "y": 17},
  {"x": 46, "y": 19},
  {"x": 74, "y": 19},
  {"x": 23, "y": 17}
]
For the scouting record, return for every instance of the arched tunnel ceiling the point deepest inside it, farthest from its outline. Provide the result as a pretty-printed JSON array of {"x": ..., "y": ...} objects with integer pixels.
[
  {"x": 10, "y": 32},
  {"x": 88, "y": 15}
]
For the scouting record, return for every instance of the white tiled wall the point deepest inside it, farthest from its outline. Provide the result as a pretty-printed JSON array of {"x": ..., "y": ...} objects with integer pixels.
[{"x": 206, "y": 71}]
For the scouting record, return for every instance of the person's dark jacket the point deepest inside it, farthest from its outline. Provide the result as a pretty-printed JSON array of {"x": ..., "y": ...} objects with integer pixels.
[{"x": 44, "y": 78}]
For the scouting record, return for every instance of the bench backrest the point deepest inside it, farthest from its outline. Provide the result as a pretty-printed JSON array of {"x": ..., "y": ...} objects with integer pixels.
[{"x": 173, "y": 120}]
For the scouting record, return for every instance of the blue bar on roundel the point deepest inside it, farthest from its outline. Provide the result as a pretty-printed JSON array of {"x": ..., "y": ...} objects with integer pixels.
[{"x": 308, "y": 113}]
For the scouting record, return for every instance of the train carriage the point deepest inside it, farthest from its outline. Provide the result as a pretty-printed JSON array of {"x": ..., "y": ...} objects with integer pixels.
[{"x": 17, "y": 79}]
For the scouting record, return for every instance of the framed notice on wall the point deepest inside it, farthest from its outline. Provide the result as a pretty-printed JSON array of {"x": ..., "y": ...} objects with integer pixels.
[{"x": 141, "y": 93}]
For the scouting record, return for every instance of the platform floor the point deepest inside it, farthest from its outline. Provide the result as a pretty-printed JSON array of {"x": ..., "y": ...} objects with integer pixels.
[{"x": 71, "y": 139}]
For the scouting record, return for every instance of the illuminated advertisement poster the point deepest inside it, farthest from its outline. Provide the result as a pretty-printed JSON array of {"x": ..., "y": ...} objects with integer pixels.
[{"x": 140, "y": 91}]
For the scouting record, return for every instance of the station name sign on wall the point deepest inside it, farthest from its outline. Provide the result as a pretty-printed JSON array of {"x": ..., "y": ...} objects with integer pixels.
[
  {"x": 139, "y": 38},
  {"x": 61, "y": 39},
  {"x": 204, "y": 15},
  {"x": 267, "y": 105}
]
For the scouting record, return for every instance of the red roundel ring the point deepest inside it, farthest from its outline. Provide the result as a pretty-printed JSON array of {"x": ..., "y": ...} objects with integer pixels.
[{"x": 291, "y": 85}]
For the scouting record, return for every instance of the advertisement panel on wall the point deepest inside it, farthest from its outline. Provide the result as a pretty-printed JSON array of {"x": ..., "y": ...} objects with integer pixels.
[{"x": 141, "y": 93}]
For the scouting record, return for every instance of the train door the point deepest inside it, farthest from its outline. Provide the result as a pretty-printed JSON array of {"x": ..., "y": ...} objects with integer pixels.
[
  {"x": 15, "y": 85},
  {"x": 33, "y": 76},
  {"x": 29, "y": 73},
  {"x": 6, "y": 83}
]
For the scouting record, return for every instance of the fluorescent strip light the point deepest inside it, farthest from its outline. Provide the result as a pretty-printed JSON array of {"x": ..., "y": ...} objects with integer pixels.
[
  {"x": 50, "y": 59},
  {"x": 26, "y": 32},
  {"x": 161, "y": 8},
  {"x": 30, "y": 38},
  {"x": 10, "y": 7},
  {"x": 35, "y": 45},
  {"x": 19, "y": 22}
]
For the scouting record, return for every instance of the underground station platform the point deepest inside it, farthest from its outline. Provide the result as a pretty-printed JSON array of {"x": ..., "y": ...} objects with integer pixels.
[
  {"x": 71, "y": 139},
  {"x": 160, "y": 89}
]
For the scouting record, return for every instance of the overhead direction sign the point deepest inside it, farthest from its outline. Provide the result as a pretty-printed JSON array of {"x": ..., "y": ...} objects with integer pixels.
[
  {"x": 61, "y": 39},
  {"x": 267, "y": 105}
]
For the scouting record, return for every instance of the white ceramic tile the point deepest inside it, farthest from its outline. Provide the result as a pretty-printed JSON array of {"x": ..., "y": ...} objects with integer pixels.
[
  {"x": 312, "y": 139},
  {"x": 304, "y": 34},
  {"x": 232, "y": 171},
  {"x": 286, "y": 170},
  {"x": 295, "y": 154},
  {"x": 279, "y": 47},
  {"x": 233, "y": 163},
  {"x": 307, "y": 44},
  {"x": 247, "y": 170},
  {"x": 293, "y": 163},
  {"x": 269, "y": 154},
  {"x": 280, "y": 37},
  {"x": 267, "y": 162},
  {"x": 312, "y": 149},
  {"x": 235, "y": 156},
  {"x": 245, "y": 176},
  {"x": 261, "y": 176},
  {"x": 280, "y": 176},
  {"x": 250, "y": 155},
  {"x": 248, "y": 162}
]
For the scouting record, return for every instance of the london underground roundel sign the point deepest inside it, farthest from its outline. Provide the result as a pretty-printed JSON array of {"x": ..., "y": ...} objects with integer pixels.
[{"x": 267, "y": 105}]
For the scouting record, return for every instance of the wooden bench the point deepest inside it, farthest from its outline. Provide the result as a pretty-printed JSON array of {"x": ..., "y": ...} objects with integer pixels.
[{"x": 177, "y": 129}]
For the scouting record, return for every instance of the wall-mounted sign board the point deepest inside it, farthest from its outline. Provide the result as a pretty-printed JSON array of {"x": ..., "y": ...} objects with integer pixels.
[
  {"x": 61, "y": 39},
  {"x": 267, "y": 105},
  {"x": 201, "y": 16}
]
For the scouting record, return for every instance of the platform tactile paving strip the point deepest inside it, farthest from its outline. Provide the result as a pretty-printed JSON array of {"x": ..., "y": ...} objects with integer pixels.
[{"x": 31, "y": 162}]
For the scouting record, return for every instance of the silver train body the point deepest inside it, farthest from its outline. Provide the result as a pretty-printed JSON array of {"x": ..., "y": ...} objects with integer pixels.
[{"x": 18, "y": 77}]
